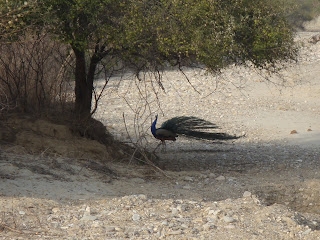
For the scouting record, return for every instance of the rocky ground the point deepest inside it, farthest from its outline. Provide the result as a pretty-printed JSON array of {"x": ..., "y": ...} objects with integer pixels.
[{"x": 264, "y": 185}]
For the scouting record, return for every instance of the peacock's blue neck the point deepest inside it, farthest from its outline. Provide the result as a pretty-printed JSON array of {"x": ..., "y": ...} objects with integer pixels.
[{"x": 153, "y": 126}]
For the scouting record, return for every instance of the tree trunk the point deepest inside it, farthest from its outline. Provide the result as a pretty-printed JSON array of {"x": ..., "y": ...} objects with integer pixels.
[
  {"x": 84, "y": 82},
  {"x": 83, "y": 87}
]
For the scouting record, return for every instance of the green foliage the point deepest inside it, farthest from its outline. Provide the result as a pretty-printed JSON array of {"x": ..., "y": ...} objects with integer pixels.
[
  {"x": 148, "y": 34},
  {"x": 152, "y": 32},
  {"x": 14, "y": 18},
  {"x": 214, "y": 33},
  {"x": 262, "y": 34},
  {"x": 82, "y": 23}
]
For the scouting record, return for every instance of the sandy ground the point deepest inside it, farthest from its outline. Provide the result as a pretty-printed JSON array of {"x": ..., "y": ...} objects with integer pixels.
[{"x": 265, "y": 185}]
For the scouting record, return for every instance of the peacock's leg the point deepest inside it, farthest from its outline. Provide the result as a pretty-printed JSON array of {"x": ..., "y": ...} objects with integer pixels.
[
  {"x": 164, "y": 146},
  {"x": 157, "y": 147}
]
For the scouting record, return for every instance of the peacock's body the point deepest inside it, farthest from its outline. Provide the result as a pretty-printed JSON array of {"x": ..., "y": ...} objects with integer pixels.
[{"x": 191, "y": 127}]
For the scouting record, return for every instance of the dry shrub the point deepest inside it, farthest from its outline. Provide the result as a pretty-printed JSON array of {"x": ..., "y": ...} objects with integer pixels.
[{"x": 33, "y": 75}]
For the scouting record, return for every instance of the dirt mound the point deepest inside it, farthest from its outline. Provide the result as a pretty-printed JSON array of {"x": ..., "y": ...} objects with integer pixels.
[{"x": 39, "y": 136}]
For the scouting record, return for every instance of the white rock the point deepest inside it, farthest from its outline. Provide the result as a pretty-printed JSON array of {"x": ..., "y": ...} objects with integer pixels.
[
  {"x": 306, "y": 232},
  {"x": 55, "y": 210},
  {"x": 221, "y": 178},
  {"x": 22, "y": 213},
  {"x": 110, "y": 229},
  {"x": 184, "y": 226},
  {"x": 136, "y": 217},
  {"x": 138, "y": 180},
  {"x": 87, "y": 210},
  {"x": 230, "y": 226},
  {"x": 174, "y": 211},
  {"x": 142, "y": 196},
  {"x": 165, "y": 223},
  {"x": 247, "y": 194},
  {"x": 188, "y": 179},
  {"x": 212, "y": 175},
  {"x": 228, "y": 219},
  {"x": 88, "y": 218},
  {"x": 187, "y": 187},
  {"x": 179, "y": 208}
]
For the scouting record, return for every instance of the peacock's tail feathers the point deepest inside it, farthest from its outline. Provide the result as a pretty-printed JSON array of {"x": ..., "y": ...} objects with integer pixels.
[
  {"x": 194, "y": 127},
  {"x": 208, "y": 135}
]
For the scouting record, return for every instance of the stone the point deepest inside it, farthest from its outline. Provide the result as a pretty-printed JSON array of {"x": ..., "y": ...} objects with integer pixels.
[
  {"x": 246, "y": 194},
  {"x": 228, "y": 219},
  {"x": 87, "y": 217},
  {"x": 138, "y": 180},
  {"x": 142, "y": 196},
  {"x": 165, "y": 223},
  {"x": 221, "y": 178},
  {"x": 187, "y": 187},
  {"x": 184, "y": 226},
  {"x": 212, "y": 175},
  {"x": 22, "y": 213},
  {"x": 174, "y": 211},
  {"x": 188, "y": 179},
  {"x": 306, "y": 232},
  {"x": 110, "y": 229},
  {"x": 55, "y": 210},
  {"x": 136, "y": 217},
  {"x": 230, "y": 226}
]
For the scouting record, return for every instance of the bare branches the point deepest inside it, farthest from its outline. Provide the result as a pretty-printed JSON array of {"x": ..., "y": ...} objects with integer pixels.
[
  {"x": 145, "y": 156},
  {"x": 32, "y": 73}
]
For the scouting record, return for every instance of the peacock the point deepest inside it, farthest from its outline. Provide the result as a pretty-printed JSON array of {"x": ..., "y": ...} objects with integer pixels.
[{"x": 188, "y": 126}]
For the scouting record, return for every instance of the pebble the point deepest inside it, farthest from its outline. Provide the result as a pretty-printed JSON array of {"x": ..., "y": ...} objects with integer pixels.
[
  {"x": 88, "y": 218},
  {"x": 221, "y": 178},
  {"x": 184, "y": 226},
  {"x": 174, "y": 211},
  {"x": 230, "y": 226},
  {"x": 165, "y": 223},
  {"x": 180, "y": 208},
  {"x": 306, "y": 232},
  {"x": 142, "y": 196},
  {"x": 214, "y": 213},
  {"x": 138, "y": 180},
  {"x": 110, "y": 229},
  {"x": 246, "y": 194},
  {"x": 187, "y": 187},
  {"x": 228, "y": 219},
  {"x": 212, "y": 175},
  {"x": 136, "y": 217},
  {"x": 55, "y": 210},
  {"x": 22, "y": 213},
  {"x": 188, "y": 179}
]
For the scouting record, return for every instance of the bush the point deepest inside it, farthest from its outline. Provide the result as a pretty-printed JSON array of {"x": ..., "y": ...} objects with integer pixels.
[{"x": 33, "y": 73}]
